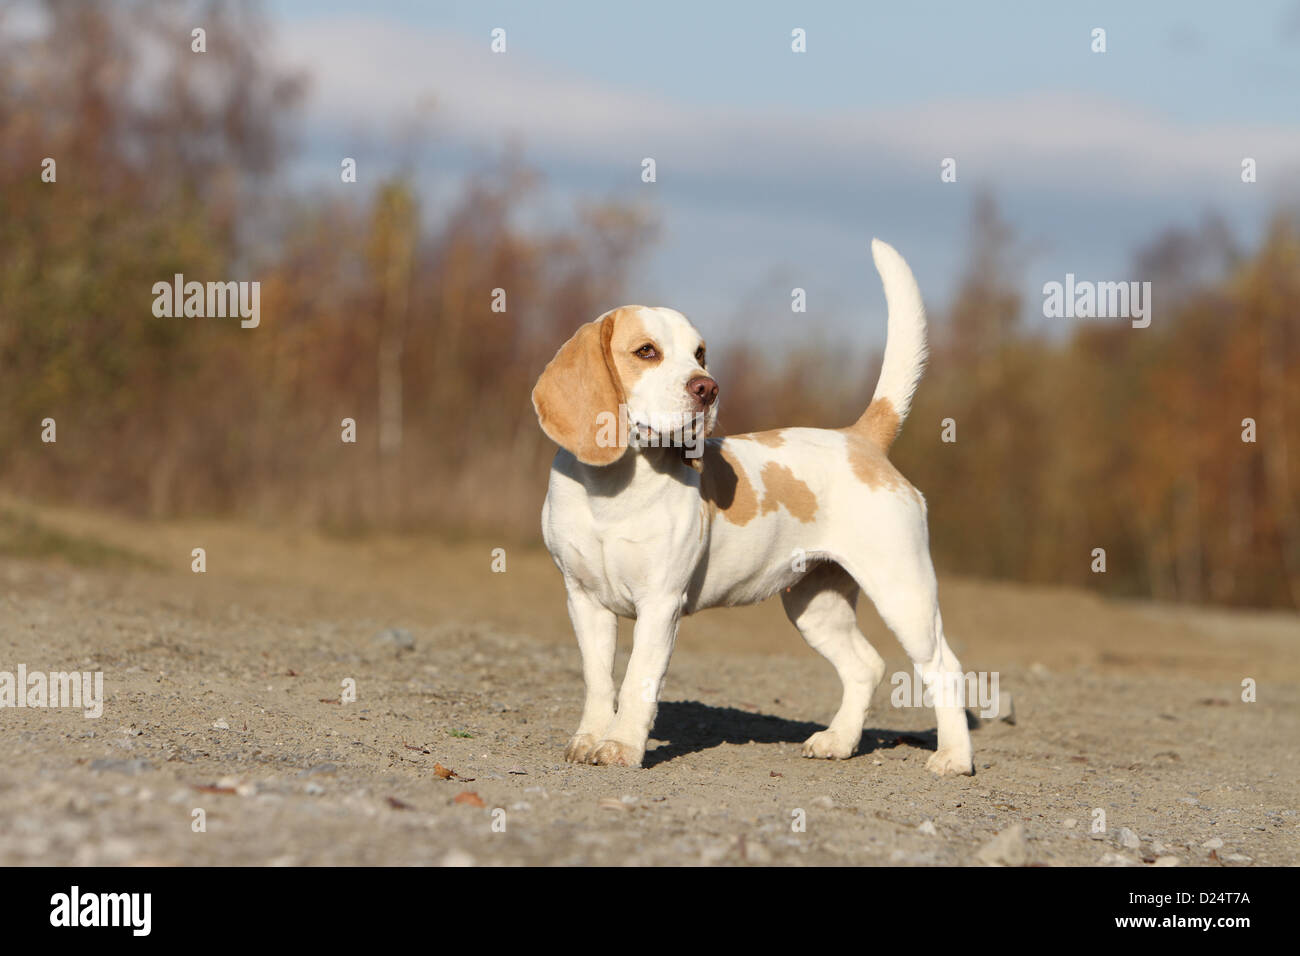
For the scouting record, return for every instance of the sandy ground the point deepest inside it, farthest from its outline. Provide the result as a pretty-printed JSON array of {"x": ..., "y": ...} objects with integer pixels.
[{"x": 223, "y": 694}]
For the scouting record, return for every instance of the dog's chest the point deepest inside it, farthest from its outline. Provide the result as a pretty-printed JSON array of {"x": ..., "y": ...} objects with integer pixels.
[{"x": 639, "y": 545}]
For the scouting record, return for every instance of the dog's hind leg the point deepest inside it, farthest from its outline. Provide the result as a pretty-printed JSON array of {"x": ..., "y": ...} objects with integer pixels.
[
  {"x": 822, "y": 606},
  {"x": 907, "y": 596}
]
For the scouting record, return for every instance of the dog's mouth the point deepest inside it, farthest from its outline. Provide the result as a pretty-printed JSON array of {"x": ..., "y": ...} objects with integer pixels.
[{"x": 683, "y": 428}]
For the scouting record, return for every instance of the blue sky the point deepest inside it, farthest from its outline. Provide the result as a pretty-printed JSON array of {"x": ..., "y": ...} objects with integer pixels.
[{"x": 775, "y": 169}]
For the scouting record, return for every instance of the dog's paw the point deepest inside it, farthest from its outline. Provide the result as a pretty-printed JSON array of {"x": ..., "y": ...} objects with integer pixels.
[
  {"x": 944, "y": 762},
  {"x": 613, "y": 753},
  {"x": 827, "y": 745},
  {"x": 579, "y": 748}
]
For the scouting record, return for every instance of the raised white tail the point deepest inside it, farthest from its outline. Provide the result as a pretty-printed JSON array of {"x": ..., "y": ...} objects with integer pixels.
[{"x": 905, "y": 348}]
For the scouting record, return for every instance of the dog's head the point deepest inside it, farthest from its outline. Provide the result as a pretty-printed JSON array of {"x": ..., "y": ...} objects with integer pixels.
[{"x": 635, "y": 376}]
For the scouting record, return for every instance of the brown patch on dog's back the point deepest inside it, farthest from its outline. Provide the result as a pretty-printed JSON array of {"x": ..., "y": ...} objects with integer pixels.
[
  {"x": 879, "y": 423},
  {"x": 869, "y": 439},
  {"x": 871, "y": 467},
  {"x": 781, "y": 487},
  {"x": 724, "y": 485},
  {"x": 772, "y": 439}
]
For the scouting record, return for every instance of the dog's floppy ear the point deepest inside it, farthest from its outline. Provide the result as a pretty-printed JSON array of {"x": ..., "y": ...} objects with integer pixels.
[{"x": 579, "y": 399}]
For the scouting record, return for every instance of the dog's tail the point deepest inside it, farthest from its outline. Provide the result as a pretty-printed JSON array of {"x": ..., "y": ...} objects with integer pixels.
[{"x": 905, "y": 349}]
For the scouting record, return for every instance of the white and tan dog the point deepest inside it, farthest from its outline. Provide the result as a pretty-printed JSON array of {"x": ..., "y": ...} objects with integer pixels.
[{"x": 641, "y": 529}]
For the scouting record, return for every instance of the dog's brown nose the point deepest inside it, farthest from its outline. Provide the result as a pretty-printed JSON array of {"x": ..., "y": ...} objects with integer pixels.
[{"x": 704, "y": 389}]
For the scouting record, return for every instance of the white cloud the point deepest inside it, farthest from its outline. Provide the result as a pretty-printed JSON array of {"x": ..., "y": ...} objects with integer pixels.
[{"x": 378, "y": 75}]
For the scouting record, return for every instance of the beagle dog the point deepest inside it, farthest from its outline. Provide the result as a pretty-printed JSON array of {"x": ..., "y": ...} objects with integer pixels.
[{"x": 647, "y": 518}]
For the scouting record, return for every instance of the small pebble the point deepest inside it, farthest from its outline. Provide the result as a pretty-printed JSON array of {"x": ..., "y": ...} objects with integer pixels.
[
  {"x": 395, "y": 637},
  {"x": 1008, "y": 848},
  {"x": 1117, "y": 859}
]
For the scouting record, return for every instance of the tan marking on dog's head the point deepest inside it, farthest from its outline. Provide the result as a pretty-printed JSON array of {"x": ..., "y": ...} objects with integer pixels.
[
  {"x": 656, "y": 354},
  {"x": 629, "y": 334},
  {"x": 724, "y": 485},
  {"x": 781, "y": 487},
  {"x": 879, "y": 423},
  {"x": 772, "y": 439},
  {"x": 579, "y": 397}
]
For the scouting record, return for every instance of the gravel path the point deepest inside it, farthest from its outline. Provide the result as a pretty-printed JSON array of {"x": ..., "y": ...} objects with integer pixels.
[{"x": 223, "y": 695}]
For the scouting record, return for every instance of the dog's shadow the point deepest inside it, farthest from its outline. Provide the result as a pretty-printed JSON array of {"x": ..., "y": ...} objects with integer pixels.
[{"x": 688, "y": 726}]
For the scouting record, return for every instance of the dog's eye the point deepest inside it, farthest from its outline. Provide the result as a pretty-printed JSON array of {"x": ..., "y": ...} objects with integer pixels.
[
  {"x": 699, "y": 355},
  {"x": 646, "y": 351}
]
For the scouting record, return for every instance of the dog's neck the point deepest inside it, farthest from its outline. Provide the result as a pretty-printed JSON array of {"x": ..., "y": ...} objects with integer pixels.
[{"x": 648, "y": 468}]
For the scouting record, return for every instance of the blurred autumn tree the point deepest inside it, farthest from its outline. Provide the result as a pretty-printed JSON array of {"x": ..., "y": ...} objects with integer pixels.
[
  {"x": 1120, "y": 438},
  {"x": 369, "y": 312},
  {"x": 988, "y": 376},
  {"x": 141, "y": 192},
  {"x": 1113, "y": 437}
]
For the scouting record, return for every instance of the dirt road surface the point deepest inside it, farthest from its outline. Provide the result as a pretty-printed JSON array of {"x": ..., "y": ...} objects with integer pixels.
[{"x": 226, "y": 738}]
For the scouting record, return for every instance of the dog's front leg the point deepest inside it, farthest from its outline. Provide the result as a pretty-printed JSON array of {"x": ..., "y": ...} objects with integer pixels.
[
  {"x": 597, "y": 630},
  {"x": 638, "y": 700}
]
